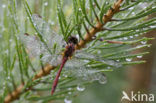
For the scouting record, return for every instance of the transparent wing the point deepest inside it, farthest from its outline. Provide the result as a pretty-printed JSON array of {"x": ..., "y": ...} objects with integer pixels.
[
  {"x": 79, "y": 69},
  {"x": 53, "y": 40},
  {"x": 36, "y": 49},
  {"x": 82, "y": 54},
  {"x": 41, "y": 25},
  {"x": 48, "y": 34},
  {"x": 52, "y": 59},
  {"x": 34, "y": 45}
]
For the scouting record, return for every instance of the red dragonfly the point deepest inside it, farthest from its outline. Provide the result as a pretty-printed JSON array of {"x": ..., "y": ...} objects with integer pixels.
[
  {"x": 70, "y": 48},
  {"x": 78, "y": 66}
]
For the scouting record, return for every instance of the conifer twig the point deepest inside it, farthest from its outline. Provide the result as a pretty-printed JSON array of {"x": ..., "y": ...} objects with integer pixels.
[{"x": 87, "y": 38}]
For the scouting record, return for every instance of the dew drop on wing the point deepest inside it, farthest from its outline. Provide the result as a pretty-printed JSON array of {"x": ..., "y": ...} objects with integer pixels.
[
  {"x": 80, "y": 70},
  {"x": 34, "y": 46},
  {"x": 37, "y": 47},
  {"x": 76, "y": 68},
  {"x": 47, "y": 32},
  {"x": 42, "y": 26},
  {"x": 84, "y": 54}
]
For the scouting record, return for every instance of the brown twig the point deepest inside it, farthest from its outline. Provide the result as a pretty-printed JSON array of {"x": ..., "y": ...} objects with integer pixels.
[
  {"x": 99, "y": 25},
  {"x": 87, "y": 38},
  {"x": 18, "y": 91}
]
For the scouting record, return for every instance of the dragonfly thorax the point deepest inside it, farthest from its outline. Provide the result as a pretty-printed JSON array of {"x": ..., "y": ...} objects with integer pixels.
[{"x": 70, "y": 48}]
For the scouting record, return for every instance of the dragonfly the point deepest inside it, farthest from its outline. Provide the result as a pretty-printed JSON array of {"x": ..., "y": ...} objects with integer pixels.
[{"x": 61, "y": 52}]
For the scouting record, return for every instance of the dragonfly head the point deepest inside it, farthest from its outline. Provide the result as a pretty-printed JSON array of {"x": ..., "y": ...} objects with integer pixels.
[{"x": 73, "y": 40}]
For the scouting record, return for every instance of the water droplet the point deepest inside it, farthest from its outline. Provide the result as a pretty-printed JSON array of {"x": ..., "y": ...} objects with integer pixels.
[
  {"x": 152, "y": 26},
  {"x": 128, "y": 59},
  {"x": 85, "y": 61},
  {"x": 149, "y": 46},
  {"x": 52, "y": 22},
  {"x": 118, "y": 60},
  {"x": 69, "y": 92},
  {"x": 66, "y": 100},
  {"x": 133, "y": 13},
  {"x": 137, "y": 30},
  {"x": 102, "y": 79},
  {"x": 108, "y": 67},
  {"x": 27, "y": 17},
  {"x": 8, "y": 77},
  {"x": 77, "y": 36},
  {"x": 80, "y": 88},
  {"x": 107, "y": 3},
  {"x": 3, "y": 6},
  {"x": 131, "y": 8},
  {"x": 139, "y": 46},
  {"x": 125, "y": 38},
  {"x": 80, "y": 9},
  {"x": 143, "y": 42},
  {"x": 153, "y": 7},
  {"x": 131, "y": 36},
  {"x": 46, "y": 4},
  {"x": 69, "y": 88},
  {"x": 136, "y": 35},
  {"x": 99, "y": 52},
  {"x": 139, "y": 56},
  {"x": 35, "y": 24}
]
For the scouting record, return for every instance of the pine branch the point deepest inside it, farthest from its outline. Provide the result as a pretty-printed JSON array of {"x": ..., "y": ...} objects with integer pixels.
[
  {"x": 87, "y": 38},
  {"x": 99, "y": 25}
]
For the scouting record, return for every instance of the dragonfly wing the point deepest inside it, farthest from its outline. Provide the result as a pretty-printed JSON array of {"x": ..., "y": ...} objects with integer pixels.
[
  {"x": 41, "y": 25},
  {"x": 74, "y": 63},
  {"x": 82, "y": 54},
  {"x": 52, "y": 59},
  {"x": 48, "y": 34},
  {"x": 36, "y": 48},
  {"x": 52, "y": 39},
  {"x": 34, "y": 45},
  {"x": 79, "y": 69}
]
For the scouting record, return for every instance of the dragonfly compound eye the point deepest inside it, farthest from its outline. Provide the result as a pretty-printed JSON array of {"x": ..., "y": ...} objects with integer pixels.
[{"x": 73, "y": 40}]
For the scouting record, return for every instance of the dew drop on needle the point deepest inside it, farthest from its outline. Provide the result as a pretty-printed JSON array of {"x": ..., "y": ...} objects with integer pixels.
[
  {"x": 139, "y": 56},
  {"x": 143, "y": 42},
  {"x": 80, "y": 88},
  {"x": 66, "y": 100},
  {"x": 3, "y": 6},
  {"x": 46, "y": 4},
  {"x": 102, "y": 79},
  {"x": 128, "y": 59}
]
